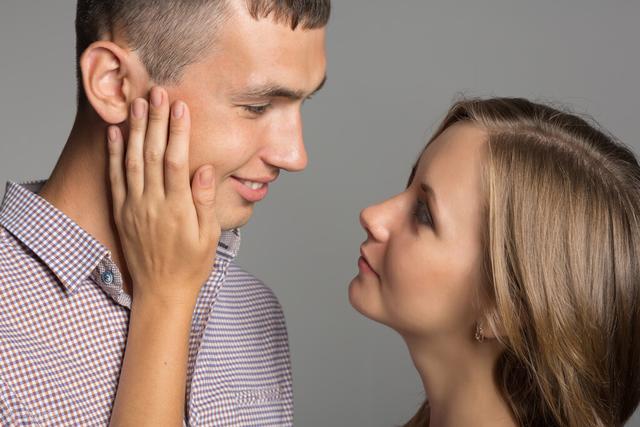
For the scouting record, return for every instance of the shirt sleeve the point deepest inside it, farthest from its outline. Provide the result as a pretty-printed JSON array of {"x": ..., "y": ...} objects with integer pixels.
[{"x": 12, "y": 410}]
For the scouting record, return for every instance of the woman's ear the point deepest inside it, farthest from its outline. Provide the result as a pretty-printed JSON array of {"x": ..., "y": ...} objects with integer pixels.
[
  {"x": 112, "y": 77},
  {"x": 489, "y": 325}
]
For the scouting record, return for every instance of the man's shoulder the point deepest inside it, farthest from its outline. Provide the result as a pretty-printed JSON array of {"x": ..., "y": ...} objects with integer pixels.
[
  {"x": 12, "y": 250},
  {"x": 20, "y": 267},
  {"x": 238, "y": 276},
  {"x": 244, "y": 286},
  {"x": 4, "y": 236}
]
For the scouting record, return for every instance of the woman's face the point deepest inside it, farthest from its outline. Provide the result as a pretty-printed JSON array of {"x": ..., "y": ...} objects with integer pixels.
[{"x": 422, "y": 266}]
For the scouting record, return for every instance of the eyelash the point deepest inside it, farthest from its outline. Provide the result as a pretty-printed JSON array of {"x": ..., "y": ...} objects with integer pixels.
[
  {"x": 256, "y": 109},
  {"x": 421, "y": 212}
]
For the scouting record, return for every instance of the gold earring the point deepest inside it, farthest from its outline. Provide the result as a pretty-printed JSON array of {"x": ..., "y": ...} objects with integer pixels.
[{"x": 479, "y": 335}]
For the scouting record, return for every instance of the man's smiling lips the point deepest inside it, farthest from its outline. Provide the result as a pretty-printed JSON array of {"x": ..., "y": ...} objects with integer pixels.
[{"x": 252, "y": 189}]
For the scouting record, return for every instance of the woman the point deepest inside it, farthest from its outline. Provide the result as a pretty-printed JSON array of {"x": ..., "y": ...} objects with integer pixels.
[{"x": 509, "y": 265}]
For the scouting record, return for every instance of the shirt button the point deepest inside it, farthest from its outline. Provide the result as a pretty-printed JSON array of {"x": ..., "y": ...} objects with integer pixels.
[{"x": 107, "y": 277}]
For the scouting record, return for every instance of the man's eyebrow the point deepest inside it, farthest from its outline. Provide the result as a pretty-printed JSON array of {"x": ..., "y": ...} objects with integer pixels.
[{"x": 277, "y": 91}]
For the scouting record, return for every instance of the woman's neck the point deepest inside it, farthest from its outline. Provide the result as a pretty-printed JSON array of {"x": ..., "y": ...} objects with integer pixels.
[{"x": 458, "y": 378}]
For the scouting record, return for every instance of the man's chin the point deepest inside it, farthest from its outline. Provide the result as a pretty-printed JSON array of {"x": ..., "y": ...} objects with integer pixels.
[{"x": 236, "y": 218}]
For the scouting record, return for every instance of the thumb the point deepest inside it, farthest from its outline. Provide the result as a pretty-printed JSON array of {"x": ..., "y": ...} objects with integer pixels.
[{"x": 203, "y": 190}]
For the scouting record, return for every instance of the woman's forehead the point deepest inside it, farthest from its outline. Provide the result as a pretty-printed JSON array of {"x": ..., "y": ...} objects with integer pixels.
[
  {"x": 451, "y": 166},
  {"x": 454, "y": 150}
]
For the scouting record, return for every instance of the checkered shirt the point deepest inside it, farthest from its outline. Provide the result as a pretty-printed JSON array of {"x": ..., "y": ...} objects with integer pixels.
[{"x": 63, "y": 328}]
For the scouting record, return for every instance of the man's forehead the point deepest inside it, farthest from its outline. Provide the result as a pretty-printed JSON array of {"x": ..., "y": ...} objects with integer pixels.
[{"x": 257, "y": 57}]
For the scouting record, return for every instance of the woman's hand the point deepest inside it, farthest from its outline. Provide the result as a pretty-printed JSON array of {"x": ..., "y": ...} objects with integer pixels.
[
  {"x": 168, "y": 228},
  {"x": 169, "y": 233}
]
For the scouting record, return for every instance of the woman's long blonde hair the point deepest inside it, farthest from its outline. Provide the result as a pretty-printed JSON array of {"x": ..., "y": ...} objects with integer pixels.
[{"x": 562, "y": 245}]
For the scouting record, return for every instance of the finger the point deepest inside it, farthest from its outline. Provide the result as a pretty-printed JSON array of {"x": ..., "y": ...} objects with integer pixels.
[
  {"x": 134, "y": 164},
  {"x": 116, "y": 163},
  {"x": 204, "y": 198},
  {"x": 156, "y": 141},
  {"x": 176, "y": 167}
]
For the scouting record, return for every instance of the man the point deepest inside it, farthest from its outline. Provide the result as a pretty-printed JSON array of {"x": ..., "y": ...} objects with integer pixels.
[{"x": 244, "y": 68}]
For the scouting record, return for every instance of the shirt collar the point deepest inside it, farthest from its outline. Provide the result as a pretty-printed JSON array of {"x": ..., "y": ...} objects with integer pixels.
[
  {"x": 70, "y": 252},
  {"x": 229, "y": 244},
  {"x": 63, "y": 246}
]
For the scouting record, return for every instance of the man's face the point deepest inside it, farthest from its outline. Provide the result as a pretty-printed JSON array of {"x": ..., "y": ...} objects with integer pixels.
[{"x": 245, "y": 99}]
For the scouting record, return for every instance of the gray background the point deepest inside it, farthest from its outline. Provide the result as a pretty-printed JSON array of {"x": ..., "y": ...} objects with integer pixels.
[{"x": 394, "y": 68}]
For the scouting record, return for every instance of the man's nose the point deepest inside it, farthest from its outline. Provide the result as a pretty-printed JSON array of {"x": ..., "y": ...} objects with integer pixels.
[{"x": 286, "y": 148}]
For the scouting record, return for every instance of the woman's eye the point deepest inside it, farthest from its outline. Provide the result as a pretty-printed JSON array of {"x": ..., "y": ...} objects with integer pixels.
[
  {"x": 422, "y": 213},
  {"x": 256, "y": 109}
]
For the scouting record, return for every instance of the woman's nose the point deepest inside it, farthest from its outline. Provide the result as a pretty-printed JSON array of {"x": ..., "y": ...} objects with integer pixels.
[{"x": 375, "y": 222}]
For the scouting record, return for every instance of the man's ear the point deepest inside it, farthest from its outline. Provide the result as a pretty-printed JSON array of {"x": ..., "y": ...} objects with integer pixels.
[{"x": 112, "y": 77}]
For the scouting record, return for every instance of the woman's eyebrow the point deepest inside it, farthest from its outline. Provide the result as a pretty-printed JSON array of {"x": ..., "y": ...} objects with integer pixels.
[
  {"x": 427, "y": 189},
  {"x": 413, "y": 173},
  {"x": 432, "y": 201}
]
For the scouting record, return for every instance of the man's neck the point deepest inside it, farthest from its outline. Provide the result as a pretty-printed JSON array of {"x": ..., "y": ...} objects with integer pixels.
[{"x": 79, "y": 186}]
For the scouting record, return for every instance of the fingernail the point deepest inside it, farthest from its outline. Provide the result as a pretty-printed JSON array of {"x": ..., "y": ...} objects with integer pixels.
[
  {"x": 156, "y": 97},
  {"x": 178, "y": 110},
  {"x": 139, "y": 108},
  {"x": 206, "y": 176}
]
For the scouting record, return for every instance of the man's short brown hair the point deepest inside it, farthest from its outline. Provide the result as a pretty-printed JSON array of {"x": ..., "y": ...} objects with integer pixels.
[{"x": 171, "y": 34}]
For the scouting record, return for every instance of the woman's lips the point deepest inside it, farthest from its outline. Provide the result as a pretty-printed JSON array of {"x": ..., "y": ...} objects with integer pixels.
[
  {"x": 250, "y": 194},
  {"x": 364, "y": 265}
]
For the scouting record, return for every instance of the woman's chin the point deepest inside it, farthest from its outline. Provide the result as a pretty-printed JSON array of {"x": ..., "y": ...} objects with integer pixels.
[{"x": 362, "y": 299}]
